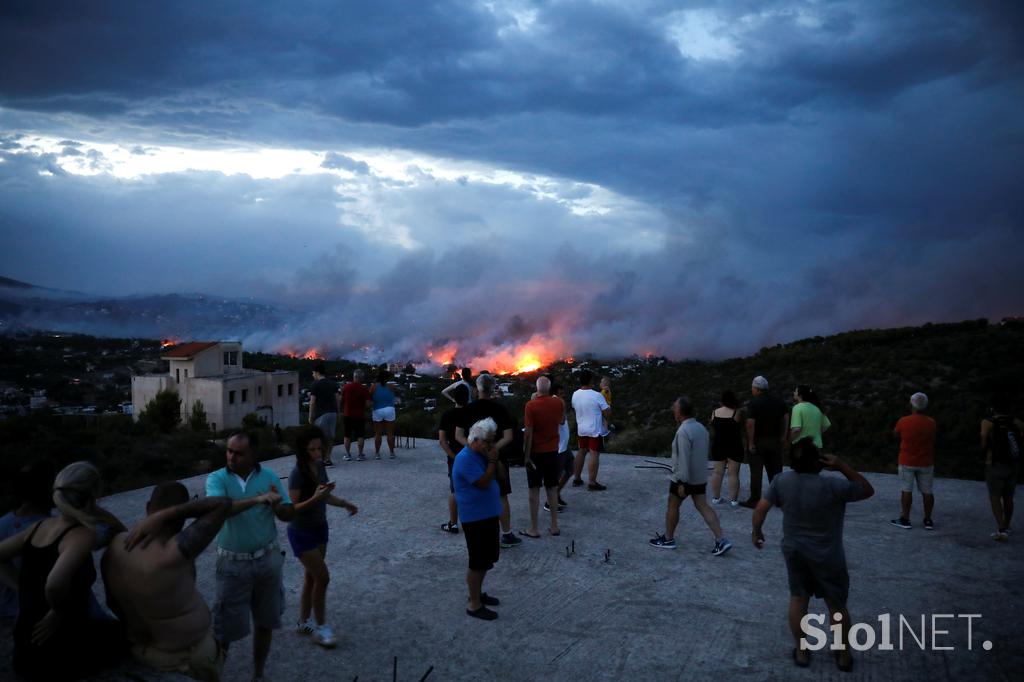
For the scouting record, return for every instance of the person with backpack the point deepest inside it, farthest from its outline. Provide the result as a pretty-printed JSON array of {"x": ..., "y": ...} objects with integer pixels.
[{"x": 1001, "y": 442}]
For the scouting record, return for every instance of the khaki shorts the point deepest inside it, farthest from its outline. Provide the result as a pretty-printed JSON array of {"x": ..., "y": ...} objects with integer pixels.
[
  {"x": 924, "y": 476},
  {"x": 202, "y": 661},
  {"x": 247, "y": 586}
]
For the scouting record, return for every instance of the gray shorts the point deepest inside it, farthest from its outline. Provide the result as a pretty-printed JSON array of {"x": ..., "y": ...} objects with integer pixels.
[
  {"x": 923, "y": 475},
  {"x": 328, "y": 423},
  {"x": 248, "y": 586}
]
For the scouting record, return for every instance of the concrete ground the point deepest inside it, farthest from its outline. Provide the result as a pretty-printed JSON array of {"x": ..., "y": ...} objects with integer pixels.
[{"x": 398, "y": 588}]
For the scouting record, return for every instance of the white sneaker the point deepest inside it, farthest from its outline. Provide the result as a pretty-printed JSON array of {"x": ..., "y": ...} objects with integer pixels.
[
  {"x": 307, "y": 628},
  {"x": 324, "y": 636},
  {"x": 734, "y": 504},
  {"x": 347, "y": 458},
  {"x": 716, "y": 500}
]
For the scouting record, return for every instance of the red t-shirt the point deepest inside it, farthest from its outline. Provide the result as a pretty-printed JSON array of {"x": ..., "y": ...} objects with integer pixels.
[
  {"x": 917, "y": 440},
  {"x": 353, "y": 398},
  {"x": 544, "y": 414}
]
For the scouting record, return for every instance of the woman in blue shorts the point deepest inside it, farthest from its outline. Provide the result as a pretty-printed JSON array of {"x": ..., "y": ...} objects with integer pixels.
[{"x": 311, "y": 492}]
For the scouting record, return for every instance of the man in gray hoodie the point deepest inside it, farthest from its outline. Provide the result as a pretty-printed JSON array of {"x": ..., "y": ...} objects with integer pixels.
[{"x": 689, "y": 478}]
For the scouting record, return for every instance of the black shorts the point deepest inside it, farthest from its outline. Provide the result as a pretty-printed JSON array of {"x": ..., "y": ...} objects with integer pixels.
[
  {"x": 688, "y": 489},
  {"x": 354, "y": 427},
  {"x": 566, "y": 463},
  {"x": 545, "y": 470},
  {"x": 482, "y": 543},
  {"x": 504, "y": 482}
]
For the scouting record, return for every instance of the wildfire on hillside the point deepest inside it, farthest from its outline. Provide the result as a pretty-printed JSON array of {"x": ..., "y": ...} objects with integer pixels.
[
  {"x": 536, "y": 353},
  {"x": 311, "y": 354},
  {"x": 167, "y": 343}
]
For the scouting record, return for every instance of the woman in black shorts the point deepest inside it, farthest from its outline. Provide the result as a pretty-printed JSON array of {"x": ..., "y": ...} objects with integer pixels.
[{"x": 726, "y": 446}]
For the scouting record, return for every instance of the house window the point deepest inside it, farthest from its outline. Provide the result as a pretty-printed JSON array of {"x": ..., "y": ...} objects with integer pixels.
[
  {"x": 291, "y": 389},
  {"x": 280, "y": 390},
  {"x": 245, "y": 395},
  {"x": 227, "y": 358},
  {"x": 231, "y": 357},
  {"x": 231, "y": 397}
]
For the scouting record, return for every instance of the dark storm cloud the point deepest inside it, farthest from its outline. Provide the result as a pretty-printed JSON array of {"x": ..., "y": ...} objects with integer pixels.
[{"x": 837, "y": 165}]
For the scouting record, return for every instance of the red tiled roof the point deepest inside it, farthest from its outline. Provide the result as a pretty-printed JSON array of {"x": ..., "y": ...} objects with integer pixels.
[{"x": 188, "y": 350}]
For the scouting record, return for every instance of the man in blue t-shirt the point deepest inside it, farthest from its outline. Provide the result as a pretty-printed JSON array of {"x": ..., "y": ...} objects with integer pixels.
[
  {"x": 479, "y": 503},
  {"x": 249, "y": 560}
]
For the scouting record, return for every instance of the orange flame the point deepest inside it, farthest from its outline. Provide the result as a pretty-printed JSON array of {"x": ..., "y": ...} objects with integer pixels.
[
  {"x": 535, "y": 354},
  {"x": 166, "y": 343},
  {"x": 312, "y": 354}
]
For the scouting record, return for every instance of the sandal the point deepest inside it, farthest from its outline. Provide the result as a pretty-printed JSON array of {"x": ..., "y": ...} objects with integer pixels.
[
  {"x": 527, "y": 535},
  {"x": 796, "y": 658},
  {"x": 450, "y": 527},
  {"x": 555, "y": 531}
]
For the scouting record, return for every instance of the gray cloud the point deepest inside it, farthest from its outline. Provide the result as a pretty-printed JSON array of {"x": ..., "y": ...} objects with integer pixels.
[{"x": 848, "y": 165}]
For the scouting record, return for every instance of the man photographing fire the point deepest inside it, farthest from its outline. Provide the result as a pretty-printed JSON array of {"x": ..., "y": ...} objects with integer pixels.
[{"x": 813, "y": 508}]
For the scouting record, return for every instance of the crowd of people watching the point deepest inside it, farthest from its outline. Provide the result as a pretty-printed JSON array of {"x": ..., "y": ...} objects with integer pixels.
[{"x": 156, "y": 614}]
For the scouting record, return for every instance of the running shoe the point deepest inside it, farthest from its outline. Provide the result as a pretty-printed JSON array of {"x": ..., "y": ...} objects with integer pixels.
[
  {"x": 347, "y": 458},
  {"x": 577, "y": 482},
  {"x": 1000, "y": 536},
  {"x": 662, "y": 542},
  {"x": 509, "y": 540},
  {"x": 324, "y": 636},
  {"x": 307, "y": 628},
  {"x": 901, "y": 523},
  {"x": 735, "y": 504},
  {"x": 596, "y": 487},
  {"x": 360, "y": 458},
  {"x": 722, "y": 545},
  {"x": 929, "y": 525},
  {"x": 561, "y": 507},
  {"x": 716, "y": 500}
]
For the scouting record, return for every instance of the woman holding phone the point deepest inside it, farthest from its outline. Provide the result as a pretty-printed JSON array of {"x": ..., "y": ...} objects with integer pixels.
[{"x": 307, "y": 533}]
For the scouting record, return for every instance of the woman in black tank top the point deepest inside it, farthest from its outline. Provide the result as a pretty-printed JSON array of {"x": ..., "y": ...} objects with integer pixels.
[
  {"x": 726, "y": 446},
  {"x": 60, "y": 640}
]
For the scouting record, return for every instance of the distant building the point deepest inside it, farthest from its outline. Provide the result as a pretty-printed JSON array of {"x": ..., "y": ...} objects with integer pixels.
[{"x": 212, "y": 372}]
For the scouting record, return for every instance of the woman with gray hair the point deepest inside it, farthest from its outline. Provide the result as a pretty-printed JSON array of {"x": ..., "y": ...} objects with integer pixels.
[
  {"x": 54, "y": 637},
  {"x": 479, "y": 503}
]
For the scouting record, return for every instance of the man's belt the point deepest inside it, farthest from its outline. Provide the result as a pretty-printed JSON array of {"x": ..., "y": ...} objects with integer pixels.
[{"x": 242, "y": 556}]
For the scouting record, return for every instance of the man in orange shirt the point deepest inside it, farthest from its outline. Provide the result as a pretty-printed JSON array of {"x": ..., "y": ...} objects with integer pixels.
[
  {"x": 917, "y": 458},
  {"x": 543, "y": 416}
]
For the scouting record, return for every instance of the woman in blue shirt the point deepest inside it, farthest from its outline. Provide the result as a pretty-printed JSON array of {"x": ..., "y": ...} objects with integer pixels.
[
  {"x": 479, "y": 502},
  {"x": 383, "y": 412}
]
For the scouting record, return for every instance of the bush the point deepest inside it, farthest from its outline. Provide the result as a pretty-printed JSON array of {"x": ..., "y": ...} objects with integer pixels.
[
  {"x": 197, "y": 421},
  {"x": 163, "y": 413}
]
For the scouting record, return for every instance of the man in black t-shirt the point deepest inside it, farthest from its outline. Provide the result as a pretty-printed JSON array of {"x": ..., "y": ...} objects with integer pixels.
[
  {"x": 323, "y": 408},
  {"x": 450, "y": 421},
  {"x": 767, "y": 428},
  {"x": 483, "y": 407}
]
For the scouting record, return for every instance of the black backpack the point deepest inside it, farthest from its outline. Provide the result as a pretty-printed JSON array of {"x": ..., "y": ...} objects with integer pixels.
[{"x": 1005, "y": 440}]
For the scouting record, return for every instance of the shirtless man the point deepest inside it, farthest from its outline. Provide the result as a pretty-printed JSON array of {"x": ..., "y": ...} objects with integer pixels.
[{"x": 149, "y": 575}]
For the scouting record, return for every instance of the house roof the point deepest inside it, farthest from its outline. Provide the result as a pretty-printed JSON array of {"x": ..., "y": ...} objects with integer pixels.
[{"x": 188, "y": 350}]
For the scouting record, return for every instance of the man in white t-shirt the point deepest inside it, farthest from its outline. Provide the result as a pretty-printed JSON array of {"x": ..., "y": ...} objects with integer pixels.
[{"x": 591, "y": 410}]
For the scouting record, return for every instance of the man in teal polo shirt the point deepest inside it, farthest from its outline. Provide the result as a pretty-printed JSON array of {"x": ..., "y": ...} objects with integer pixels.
[{"x": 249, "y": 560}]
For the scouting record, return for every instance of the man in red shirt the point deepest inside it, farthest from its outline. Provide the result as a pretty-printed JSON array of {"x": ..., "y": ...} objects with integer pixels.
[
  {"x": 917, "y": 458},
  {"x": 543, "y": 416},
  {"x": 354, "y": 397}
]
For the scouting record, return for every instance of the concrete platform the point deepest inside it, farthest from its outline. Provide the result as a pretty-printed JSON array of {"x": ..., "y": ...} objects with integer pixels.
[{"x": 646, "y": 614}]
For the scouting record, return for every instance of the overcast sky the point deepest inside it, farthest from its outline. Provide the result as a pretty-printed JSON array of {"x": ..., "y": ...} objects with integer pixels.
[{"x": 694, "y": 179}]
